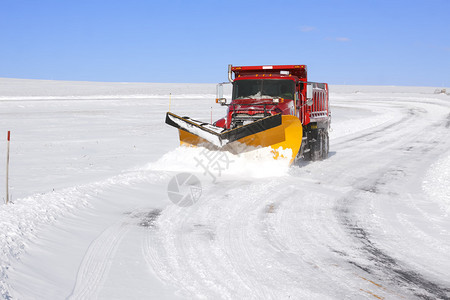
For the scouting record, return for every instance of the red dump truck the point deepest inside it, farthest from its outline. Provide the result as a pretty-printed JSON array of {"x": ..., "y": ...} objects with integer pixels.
[{"x": 271, "y": 106}]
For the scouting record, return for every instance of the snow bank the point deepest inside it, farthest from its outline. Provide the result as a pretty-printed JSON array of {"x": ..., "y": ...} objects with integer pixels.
[
  {"x": 436, "y": 183},
  {"x": 22, "y": 220}
]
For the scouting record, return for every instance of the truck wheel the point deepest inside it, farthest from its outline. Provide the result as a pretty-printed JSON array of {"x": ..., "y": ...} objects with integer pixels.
[
  {"x": 307, "y": 155},
  {"x": 325, "y": 145},
  {"x": 315, "y": 154},
  {"x": 316, "y": 147}
]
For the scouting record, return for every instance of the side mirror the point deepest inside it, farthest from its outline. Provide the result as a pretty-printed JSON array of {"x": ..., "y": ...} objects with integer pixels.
[
  {"x": 219, "y": 94},
  {"x": 309, "y": 92}
]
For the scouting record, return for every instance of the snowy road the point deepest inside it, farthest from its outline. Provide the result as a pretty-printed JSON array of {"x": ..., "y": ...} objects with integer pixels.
[{"x": 372, "y": 221}]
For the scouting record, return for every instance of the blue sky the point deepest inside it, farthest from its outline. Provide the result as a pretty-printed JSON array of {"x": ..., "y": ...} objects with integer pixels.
[{"x": 365, "y": 42}]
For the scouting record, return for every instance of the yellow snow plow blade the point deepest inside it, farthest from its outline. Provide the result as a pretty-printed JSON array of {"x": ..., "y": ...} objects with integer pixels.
[
  {"x": 192, "y": 140},
  {"x": 287, "y": 136},
  {"x": 282, "y": 133}
]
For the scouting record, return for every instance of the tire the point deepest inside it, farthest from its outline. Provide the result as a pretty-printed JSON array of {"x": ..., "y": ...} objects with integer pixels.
[
  {"x": 316, "y": 147},
  {"x": 307, "y": 155},
  {"x": 315, "y": 154},
  {"x": 325, "y": 145}
]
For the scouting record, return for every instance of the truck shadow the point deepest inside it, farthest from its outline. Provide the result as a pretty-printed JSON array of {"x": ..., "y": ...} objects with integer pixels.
[
  {"x": 331, "y": 154},
  {"x": 301, "y": 162}
]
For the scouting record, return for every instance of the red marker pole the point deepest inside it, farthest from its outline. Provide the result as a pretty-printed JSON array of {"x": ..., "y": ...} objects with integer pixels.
[{"x": 7, "y": 167}]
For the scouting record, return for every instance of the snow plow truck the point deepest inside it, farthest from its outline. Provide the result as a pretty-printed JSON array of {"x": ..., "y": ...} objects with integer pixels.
[{"x": 271, "y": 106}]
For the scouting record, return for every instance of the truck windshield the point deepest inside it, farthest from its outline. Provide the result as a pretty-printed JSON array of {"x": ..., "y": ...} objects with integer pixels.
[{"x": 263, "y": 88}]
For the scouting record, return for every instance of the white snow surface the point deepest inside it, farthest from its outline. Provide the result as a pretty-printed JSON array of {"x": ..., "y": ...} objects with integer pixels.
[{"x": 90, "y": 218}]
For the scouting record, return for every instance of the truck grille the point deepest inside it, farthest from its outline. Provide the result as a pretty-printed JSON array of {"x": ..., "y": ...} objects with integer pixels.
[{"x": 240, "y": 119}]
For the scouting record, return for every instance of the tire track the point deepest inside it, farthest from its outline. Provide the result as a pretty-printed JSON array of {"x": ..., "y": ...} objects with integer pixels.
[
  {"x": 380, "y": 264},
  {"x": 393, "y": 269},
  {"x": 98, "y": 259}
]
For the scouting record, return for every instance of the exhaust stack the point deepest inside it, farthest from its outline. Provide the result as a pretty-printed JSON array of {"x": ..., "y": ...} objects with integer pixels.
[{"x": 229, "y": 74}]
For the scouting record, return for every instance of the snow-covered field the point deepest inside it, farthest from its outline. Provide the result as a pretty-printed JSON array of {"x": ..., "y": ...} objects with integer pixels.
[{"x": 91, "y": 165}]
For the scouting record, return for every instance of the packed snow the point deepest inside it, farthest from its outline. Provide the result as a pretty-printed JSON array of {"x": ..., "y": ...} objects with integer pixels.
[{"x": 91, "y": 165}]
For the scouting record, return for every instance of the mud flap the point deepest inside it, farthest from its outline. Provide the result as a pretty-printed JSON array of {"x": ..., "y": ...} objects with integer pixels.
[{"x": 279, "y": 132}]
